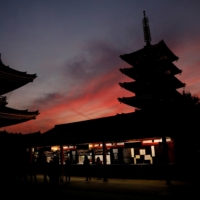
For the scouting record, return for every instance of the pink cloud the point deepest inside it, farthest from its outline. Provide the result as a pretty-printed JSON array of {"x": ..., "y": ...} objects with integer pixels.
[{"x": 97, "y": 99}]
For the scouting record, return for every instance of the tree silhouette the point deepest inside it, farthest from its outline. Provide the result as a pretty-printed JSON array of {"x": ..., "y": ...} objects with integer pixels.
[{"x": 191, "y": 101}]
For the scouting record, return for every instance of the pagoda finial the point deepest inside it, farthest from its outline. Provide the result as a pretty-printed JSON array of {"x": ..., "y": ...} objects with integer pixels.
[{"x": 147, "y": 34}]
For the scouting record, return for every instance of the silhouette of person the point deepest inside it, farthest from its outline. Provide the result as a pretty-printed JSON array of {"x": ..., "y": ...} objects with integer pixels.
[
  {"x": 98, "y": 167},
  {"x": 86, "y": 164},
  {"x": 44, "y": 167},
  {"x": 33, "y": 169},
  {"x": 50, "y": 171},
  {"x": 67, "y": 170},
  {"x": 55, "y": 170}
]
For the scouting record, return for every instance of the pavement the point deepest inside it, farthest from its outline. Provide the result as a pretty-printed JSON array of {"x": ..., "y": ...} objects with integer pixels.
[{"x": 123, "y": 189}]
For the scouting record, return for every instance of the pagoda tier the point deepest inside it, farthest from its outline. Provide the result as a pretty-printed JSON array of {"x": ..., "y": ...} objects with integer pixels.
[
  {"x": 155, "y": 52},
  {"x": 164, "y": 82},
  {"x": 10, "y": 116},
  {"x": 12, "y": 79},
  {"x": 162, "y": 67},
  {"x": 151, "y": 100},
  {"x": 139, "y": 102}
]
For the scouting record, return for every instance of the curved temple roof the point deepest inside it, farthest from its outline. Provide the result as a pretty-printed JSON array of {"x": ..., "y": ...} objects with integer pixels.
[
  {"x": 151, "y": 99},
  {"x": 12, "y": 79},
  {"x": 10, "y": 116},
  {"x": 156, "y": 51},
  {"x": 161, "y": 68},
  {"x": 165, "y": 82},
  {"x": 107, "y": 129}
]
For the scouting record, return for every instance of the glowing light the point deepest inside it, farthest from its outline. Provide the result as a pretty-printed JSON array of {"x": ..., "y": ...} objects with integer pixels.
[
  {"x": 132, "y": 152},
  {"x": 55, "y": 148},
  {"x": 153, "y": 151}
]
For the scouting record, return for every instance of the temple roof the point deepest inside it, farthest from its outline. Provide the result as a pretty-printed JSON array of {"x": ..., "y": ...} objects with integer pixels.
[
  {"x": 10, "y": 116},
  {"x": 137, "y": 102},
  {"x": 12, "y": 79},
  {"x": 157, "y": 52},
  {"x": 138, "y": 72},
  {"x": 32, "y": 139},
  {"x": 151, "y": 99},
  {"x": 113, "y": 128},
  {"x": 161, "y": 83}
]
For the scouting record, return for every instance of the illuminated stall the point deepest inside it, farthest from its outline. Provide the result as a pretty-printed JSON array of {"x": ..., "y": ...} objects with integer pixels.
[{"x": 140, "y": 151}]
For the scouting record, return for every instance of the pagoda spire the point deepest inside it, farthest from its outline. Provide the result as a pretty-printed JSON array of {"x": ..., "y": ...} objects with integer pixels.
[{"x": 146, "y": 29}]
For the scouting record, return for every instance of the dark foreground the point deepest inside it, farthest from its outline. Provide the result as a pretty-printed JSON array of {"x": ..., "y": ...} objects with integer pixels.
[{"x": 97, "y": 189}]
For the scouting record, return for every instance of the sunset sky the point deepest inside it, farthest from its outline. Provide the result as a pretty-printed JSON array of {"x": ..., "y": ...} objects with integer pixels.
[{"x": 74, "y": 46}]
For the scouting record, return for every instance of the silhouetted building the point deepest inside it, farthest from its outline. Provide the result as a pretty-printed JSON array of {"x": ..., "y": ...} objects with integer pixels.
[
  {"x": 153, "y": 72},
  {"x": 10, "y": 80}
]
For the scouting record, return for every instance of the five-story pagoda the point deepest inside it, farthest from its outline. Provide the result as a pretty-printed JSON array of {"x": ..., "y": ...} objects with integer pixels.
[{"x": 154, "y": 73}]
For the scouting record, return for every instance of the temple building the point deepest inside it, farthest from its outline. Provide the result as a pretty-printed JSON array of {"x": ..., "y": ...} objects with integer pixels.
[
  {"x": 11, "y": 79},
  {"x": 133, "y": 145},
  {"x": 153, "y": 72},
  {"x": 125, "y": 142}
]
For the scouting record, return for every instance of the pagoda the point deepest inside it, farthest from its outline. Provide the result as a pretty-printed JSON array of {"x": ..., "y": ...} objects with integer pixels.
[
  {"x": 10, "y": 80},
  {"x": 153, "y": 72}
]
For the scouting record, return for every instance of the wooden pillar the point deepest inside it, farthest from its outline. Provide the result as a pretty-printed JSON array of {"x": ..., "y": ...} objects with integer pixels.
[
  {"x": 166, "y": 160},
  {"x": 104, "y": 162},
  {"x": 62, "y": 162},
  {"x": 30, "y": 164},
  {"x": 44, "y": 165}
]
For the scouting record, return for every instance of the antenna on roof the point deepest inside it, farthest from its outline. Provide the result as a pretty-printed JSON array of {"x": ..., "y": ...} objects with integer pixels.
[{"x": 146, "y": 29}]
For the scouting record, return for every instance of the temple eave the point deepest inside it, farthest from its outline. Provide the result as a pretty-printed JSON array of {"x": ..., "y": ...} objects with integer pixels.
[
  {"x": 10, "y": 118},
  {"x": 142, "y": 54},
  {"x": 15, "y": 76},
  {"x": 135, "y": 86},
  {"x": 129, "y": 103}
]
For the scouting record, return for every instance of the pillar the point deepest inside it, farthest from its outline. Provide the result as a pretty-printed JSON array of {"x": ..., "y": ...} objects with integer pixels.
[
  {"x": 30, "y": 164},
  {"x": 104, "y": 162},
  {"x": 166, "y": 160},
  {"x": 62, "y": 162}
]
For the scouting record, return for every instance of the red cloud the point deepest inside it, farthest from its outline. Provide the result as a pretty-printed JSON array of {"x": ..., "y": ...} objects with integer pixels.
[{"x": 97, "y": 99}]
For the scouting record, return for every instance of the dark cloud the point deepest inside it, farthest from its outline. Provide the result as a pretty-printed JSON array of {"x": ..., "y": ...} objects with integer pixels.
[{"x": 98, "y": 58}]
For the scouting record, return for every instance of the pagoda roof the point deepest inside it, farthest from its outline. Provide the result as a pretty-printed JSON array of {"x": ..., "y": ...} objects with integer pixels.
[
  {"x": 137, "y": 102},
  {"x": 12, "y": 79},
  {"x": 138, "y": 72},
  {"x": 151, "y": 99},
  {"x": 10, "y": 116},
  {"x": 164, "y": 82},
  {"x": 155, "y": 52}
]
